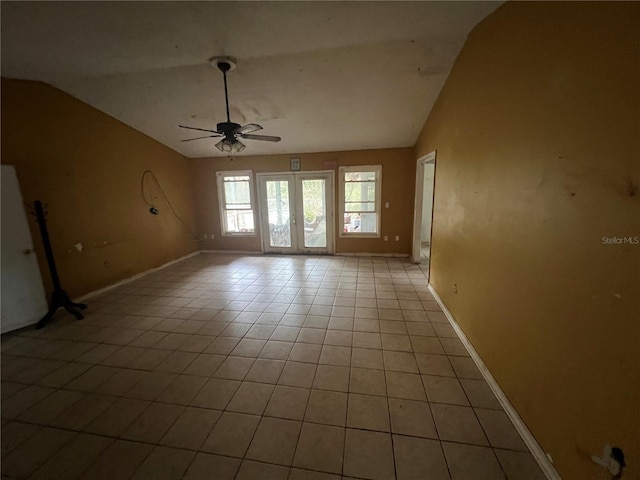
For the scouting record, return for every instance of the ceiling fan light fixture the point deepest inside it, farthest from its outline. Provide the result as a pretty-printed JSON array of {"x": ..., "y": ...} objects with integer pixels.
[{"x": 229, "y": 146}]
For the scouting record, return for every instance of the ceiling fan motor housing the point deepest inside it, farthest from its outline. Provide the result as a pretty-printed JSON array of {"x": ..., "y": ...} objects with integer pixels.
[{"x": 227, "y": 127}]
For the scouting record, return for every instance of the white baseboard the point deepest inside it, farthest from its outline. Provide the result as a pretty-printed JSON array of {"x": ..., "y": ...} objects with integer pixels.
[
  {"x": 119, "y": 283},
  {"x": 536, "y": 450},
  {"x": 357, "y": 254},
  {"x": 233, "y": 252},
  {"x": 340, "y": 254}
]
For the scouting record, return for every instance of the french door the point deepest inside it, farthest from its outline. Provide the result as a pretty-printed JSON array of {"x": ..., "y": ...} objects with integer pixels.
[{"x": 296, "y": 212}]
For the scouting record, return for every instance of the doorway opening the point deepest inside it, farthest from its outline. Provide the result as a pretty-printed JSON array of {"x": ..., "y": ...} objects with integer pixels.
[
  {"x": 423, "y": 211},
  {"x": 296, "y": 212}
]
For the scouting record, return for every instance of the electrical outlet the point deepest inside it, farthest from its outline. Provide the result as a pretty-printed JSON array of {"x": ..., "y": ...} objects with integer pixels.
[
  {"x": 212, "y": 236},
  {"x": 612, "y": 460},
  {"x": 397, "y": 238},
  {"x": 386, "y": 238}
]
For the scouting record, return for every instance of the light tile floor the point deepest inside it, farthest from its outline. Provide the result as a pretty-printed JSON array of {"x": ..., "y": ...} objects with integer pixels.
[
  {"x": 424, "y": 253},
  {"x": 255, "y": 367}
]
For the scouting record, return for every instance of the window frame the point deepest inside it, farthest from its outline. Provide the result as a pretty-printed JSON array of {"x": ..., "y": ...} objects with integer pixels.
[
  {"x": 220, "y": 176},
  {"x": 377, "y": 169}
]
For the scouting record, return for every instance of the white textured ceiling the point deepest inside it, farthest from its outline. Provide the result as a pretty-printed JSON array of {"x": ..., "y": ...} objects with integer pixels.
[{"x": 324, "y": 76}]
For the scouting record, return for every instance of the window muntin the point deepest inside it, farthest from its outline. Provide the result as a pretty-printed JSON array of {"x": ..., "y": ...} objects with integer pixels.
[
  {"x": 360, "y": 195},
  {"x": 235, "y": 194}
]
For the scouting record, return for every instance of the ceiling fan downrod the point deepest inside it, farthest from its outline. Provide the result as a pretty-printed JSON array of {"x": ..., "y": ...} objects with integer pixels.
[{"x": 224, "y": 67}]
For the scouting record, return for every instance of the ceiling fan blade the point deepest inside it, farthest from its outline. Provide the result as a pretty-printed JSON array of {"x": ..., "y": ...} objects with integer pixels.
[
  {"x": 251, "y": 127},
  {"x": 200, "y": 138},
  {"x": 201, "y": 129},
  {"x": 264, "y": 138}
]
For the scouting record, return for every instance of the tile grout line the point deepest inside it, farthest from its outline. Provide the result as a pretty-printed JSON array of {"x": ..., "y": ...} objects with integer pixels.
[{"x": 316, "y": 286}]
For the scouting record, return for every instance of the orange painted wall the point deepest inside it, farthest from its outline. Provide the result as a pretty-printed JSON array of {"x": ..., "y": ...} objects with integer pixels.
[
  {"x": 398, "y": 186},
  {"x": 87, "y": 167},
  {"x": 538, "y": 138}
]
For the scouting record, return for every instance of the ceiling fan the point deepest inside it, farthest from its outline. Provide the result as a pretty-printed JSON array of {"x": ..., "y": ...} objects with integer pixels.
[{"x": 230, "y": 131}]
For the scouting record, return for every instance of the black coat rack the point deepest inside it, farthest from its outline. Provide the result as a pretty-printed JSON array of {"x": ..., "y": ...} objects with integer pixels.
[{"x": 59, "y": 298}]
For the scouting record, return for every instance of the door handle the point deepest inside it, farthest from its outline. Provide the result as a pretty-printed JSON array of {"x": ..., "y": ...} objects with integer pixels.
[{"x": 27, "y": 251}]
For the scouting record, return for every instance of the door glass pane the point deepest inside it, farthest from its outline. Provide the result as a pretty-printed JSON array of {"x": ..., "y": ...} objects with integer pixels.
[
  {"x": 278, "y": 212},
  {"x": 314, "y": 213}
]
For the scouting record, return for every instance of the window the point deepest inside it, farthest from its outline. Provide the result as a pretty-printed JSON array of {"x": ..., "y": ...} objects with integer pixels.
[
  {"x": 235, "y": 196},
  {"x": 360, "y": 200}
]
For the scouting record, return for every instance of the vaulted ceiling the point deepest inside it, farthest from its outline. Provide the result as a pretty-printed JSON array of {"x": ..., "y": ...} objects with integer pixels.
[{"x": 324, "y": 76}]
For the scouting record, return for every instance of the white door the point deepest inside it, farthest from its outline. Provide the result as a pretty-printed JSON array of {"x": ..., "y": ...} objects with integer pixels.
[
  {"x": 23, "y": 298},
  {"x": 296, "y": 212}
]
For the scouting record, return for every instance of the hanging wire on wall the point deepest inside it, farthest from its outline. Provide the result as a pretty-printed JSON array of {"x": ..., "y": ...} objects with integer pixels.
[{"x": 153, "y": 207}]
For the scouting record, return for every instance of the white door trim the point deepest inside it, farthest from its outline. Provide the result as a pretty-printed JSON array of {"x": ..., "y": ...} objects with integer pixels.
[{"x": 417, "y": 211}]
